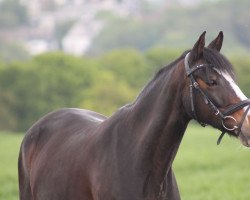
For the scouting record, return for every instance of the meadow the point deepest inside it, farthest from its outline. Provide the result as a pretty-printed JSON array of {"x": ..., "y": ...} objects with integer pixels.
[{"x": 203, "y": 169}]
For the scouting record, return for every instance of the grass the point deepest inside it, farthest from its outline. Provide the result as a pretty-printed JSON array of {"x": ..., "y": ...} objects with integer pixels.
[
  {"x": 9, "y": 148},
  {"x": 210, "y": 172},
  {"x": 203, "y": 169}
]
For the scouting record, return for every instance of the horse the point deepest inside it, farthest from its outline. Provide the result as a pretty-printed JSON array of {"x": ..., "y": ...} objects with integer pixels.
[{"x": 76, "y": 154}]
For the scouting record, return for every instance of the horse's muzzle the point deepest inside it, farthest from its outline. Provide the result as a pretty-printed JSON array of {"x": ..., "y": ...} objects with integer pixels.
[{"x": 244, "y": 134}]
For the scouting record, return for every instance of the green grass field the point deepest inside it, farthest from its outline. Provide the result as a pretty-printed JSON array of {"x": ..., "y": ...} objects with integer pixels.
[
  {"x": 9, "y": 148},
  {"x": 204, "y": 170}
]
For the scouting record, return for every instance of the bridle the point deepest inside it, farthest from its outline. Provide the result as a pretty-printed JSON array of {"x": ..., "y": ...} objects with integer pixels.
[{"x": 224, "y": 115}]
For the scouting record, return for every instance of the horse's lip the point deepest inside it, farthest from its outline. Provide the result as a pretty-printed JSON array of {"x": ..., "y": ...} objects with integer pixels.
[
  {"x": 246, "y": 144},
  {"x": 244, "y": 140}
]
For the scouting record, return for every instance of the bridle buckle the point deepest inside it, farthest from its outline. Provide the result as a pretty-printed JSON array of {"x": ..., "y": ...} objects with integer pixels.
[
  {"x": 217, "y": 112},
  {"x": 195, "y": 84}
]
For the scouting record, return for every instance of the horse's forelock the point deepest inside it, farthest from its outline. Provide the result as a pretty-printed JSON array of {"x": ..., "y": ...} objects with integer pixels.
[{"x": 218, "y": 61}]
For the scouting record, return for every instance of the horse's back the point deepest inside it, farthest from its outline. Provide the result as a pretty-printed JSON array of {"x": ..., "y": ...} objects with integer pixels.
[
  {"x": 60, "y": 125},
  {"x": 52, "y": 145}
]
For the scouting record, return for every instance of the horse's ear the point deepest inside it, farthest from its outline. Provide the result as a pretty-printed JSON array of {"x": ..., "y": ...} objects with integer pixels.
[
  {"x": 216, "y": 44},
  {"x": 197, "y": 50}
]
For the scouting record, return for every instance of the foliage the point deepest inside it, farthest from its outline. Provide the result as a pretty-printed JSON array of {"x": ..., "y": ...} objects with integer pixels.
[
  {"x": 10, "y": 51},
  {"x": 47, "y": 82},
  {"x": 51, "y": 81},
  {"x": 32, "y": 88},
  {"x": 242, "y": 66},
  {"x": 159, "y": 57},
  {"x": 128, "y": 65},
  {"x": 200, "y": 174},
  {"x": 108, "y": 94}
]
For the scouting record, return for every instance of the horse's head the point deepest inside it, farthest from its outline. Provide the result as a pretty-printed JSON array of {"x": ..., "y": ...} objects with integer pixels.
[{"x": 212, "y": 95}]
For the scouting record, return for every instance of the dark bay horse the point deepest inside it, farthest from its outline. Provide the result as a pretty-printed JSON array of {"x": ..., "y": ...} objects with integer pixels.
[{"x": 75, "y": 154}]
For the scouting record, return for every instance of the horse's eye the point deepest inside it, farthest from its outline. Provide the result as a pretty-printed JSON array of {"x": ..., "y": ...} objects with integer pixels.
[{"x": 212, "y": 83}]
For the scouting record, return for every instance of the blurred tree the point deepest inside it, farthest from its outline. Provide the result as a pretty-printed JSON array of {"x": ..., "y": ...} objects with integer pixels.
[
  {"x": 241, "y": 64},
  {"x": 12, "y": 14},
  {"x": 177, "y": 26},
  {"x": 240, "y": 19},
  {"x": 159, "y": 57},
  {"x": 48, "y": 82},
  {"x": 128, "y": 65},
  {"x": 8, "y": 120},
  {"x": 32, "y": 88},
  {"x": 11, "y": 51},
  {"x": 61, "y": 30},
  {"x": 108, "y": 94},
  {"x": 129, "y": 33}
]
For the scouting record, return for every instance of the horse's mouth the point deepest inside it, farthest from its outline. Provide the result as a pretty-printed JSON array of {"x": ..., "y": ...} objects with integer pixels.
[
  {"x": 242, "y": 132},
  {"x": 244, "y": 140}
]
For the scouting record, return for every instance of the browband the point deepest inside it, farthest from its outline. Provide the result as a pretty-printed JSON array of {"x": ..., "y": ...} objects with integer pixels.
[{"x": 189, "y": 70}]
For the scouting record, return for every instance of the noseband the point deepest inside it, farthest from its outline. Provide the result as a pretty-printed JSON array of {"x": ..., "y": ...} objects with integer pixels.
[{"x": 226, "y": 114}]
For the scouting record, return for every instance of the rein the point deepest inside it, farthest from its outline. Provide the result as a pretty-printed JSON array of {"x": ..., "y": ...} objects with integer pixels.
[{"x": 226, "y": 114}]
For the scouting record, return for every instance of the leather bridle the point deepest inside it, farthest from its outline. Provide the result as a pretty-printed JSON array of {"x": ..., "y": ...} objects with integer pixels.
[{"x": 224, "y": 115}]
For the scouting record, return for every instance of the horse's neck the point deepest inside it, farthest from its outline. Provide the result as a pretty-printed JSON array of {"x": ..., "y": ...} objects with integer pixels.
[
  {"x": 160, "y": 122},
  {"x": 144, "y": 137}
]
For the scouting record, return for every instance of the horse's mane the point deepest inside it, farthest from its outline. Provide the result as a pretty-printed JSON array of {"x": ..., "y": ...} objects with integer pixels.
[
  {"x": 170, "y": 65},
  {"x": 213, "y": 57},
  {"x": 162, "y": 73}
]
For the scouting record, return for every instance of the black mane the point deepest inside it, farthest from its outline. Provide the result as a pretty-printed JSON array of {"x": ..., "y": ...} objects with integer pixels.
[
  {"x": 215, "y": 58},
  {"x": 160, "y": 76},
  {"x": 170, "y": 65}
]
